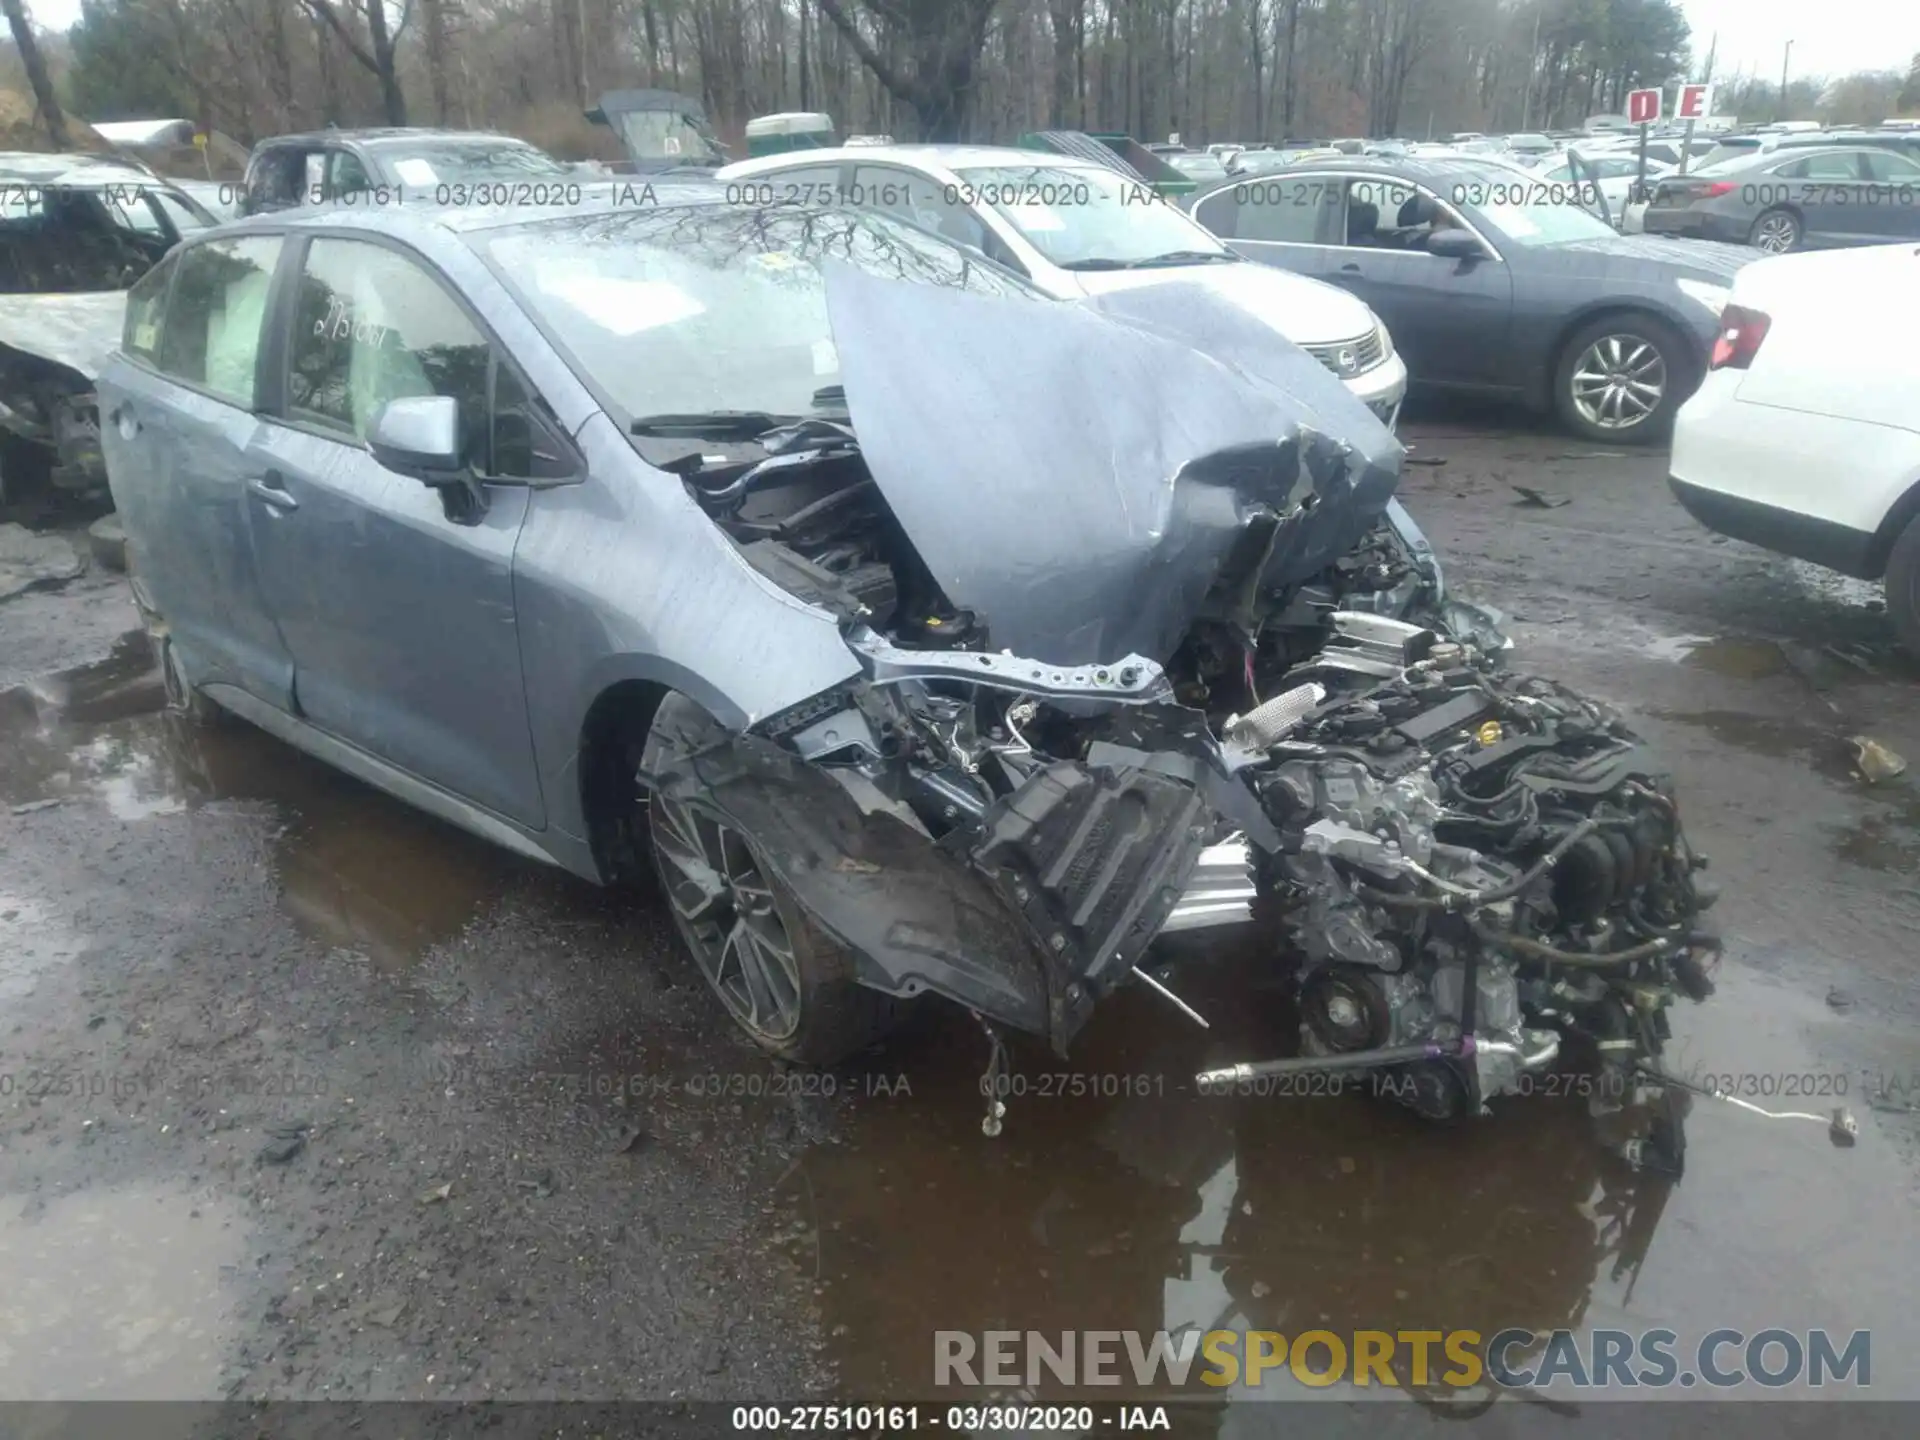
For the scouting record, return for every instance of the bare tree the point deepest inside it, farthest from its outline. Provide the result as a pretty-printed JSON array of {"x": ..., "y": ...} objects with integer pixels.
[
  {"x": 943, "y": 38},
  {"x": 377, "y": 55},
  {"x": 439, "y": 62},
  {"x": 36, "y": 67}
]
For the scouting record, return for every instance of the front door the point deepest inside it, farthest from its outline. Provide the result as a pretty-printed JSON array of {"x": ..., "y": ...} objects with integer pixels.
[
  {"x": 1448, "y": 316},
  {"x": 396, "y": 604}
]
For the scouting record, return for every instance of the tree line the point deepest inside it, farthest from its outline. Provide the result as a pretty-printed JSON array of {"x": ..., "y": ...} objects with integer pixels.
[{"x": 1252, "y": 70}]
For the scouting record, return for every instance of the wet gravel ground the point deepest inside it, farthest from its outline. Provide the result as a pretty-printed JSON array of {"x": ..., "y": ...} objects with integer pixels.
[{"x": 305, "y": 1095}]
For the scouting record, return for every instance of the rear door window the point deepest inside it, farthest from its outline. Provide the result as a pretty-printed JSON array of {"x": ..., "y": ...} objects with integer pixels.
[
  {"x": 209, "y": 336},
  {"x": 1295, "y": 209},
  {"x": 1844, "y": 165}
]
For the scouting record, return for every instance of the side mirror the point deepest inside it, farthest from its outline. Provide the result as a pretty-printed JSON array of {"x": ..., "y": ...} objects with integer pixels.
[
  {"x": 419, "y": 436},
  {"x": 1455, "y": 244}
]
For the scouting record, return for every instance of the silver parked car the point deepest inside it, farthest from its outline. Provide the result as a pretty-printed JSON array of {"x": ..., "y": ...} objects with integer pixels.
[{"x": 919, "y": 633}]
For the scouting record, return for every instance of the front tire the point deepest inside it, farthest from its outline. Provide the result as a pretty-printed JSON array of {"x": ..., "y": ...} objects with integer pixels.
[
  {"x": 785, "y": 982},
  {"x": 1903, "y": 587},
  {"x": 1778, "y": 232},
  {"x": 1621, "y": 378}
]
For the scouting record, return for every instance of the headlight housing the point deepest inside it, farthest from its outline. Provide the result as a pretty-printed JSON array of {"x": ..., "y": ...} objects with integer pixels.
[{"x": 1714, "y": 297}]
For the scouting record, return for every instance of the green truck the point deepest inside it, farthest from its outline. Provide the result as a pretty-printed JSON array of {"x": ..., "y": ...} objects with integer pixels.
[{"x": 794, "y": 130}]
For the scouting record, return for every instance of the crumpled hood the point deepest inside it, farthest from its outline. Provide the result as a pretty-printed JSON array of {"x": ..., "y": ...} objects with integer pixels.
[
  {"x": 77, "y": 331},
  {"x": 1079, "y": 475},
  {"x": 1307, "y": 312}
]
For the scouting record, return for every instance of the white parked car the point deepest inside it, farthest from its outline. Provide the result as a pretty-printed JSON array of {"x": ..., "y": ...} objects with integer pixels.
[
  {"x": 1077, "y": 228},
  {"x": 1804, "y": 437},
  {"x": 1615, "y": 174}
]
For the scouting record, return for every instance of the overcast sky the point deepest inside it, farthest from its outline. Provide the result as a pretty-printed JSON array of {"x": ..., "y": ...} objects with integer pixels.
[{"x": 1830, "y": 37}]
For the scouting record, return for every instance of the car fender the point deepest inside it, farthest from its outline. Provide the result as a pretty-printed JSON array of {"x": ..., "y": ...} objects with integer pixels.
[{"x": 1900, "y": 514}]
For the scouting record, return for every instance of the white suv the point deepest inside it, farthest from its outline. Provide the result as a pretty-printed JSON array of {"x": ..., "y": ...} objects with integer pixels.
[
  {"x": 1076, "y": 228},
  {"x": 1805, "y": 436}
]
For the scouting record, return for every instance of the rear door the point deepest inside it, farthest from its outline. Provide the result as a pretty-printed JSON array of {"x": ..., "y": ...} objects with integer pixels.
[
  {"x": 396, "y": 603},
  {"x": 177, "y": 407}
]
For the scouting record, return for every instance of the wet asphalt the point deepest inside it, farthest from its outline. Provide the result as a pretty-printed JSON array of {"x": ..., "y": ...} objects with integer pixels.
[{"x": 303, "y": 1094}]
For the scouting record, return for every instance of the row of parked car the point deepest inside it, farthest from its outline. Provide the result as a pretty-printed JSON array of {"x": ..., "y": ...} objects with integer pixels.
[
  {"x": 1444, "y": 270},
  {"x": 1484, "y": 265},
  {"x": 848, "y": 536}
]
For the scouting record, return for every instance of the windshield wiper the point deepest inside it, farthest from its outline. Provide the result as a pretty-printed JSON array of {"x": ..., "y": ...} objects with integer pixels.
[
  {"x": 1149, "y": 262},
  {"x": 713, "y": 424},
  {"x": 1182, "y": 257}
]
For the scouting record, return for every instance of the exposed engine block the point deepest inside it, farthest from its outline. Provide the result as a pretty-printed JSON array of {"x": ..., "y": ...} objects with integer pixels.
[{"x": 1473, "y": 863}]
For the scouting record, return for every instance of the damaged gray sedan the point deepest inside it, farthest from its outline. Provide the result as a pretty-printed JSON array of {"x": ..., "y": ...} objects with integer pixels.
[{"x": 920, "y": 634}]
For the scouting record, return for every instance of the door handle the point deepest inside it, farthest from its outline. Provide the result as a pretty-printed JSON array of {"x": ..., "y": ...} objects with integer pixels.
[
  {"x": 1349, "y": 269},
  {"x": 125, "y": 420},
  {"x": 268, "y": 488}
]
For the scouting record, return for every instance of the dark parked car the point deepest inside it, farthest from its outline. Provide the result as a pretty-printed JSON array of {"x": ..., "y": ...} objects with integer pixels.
[
  {"x": 1495, "y": 281},
  {"x": 665, "y": 538},
  {"x": 400, "y": 166},
  {"x": 1795, "y": 198}
]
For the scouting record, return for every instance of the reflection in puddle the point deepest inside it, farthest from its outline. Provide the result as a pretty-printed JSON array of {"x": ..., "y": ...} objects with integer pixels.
[
  {"x": 1150, "y": 1208},
  {"x": 1734, "y": 658},
  {"x": 362, "y": 872},
  {"x": 32, "y": 940},
  {"x": 116, "y": 1294}
]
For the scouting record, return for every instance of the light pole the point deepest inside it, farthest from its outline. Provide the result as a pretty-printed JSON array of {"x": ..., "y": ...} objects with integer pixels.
[{"x": 1784, "y": 59}]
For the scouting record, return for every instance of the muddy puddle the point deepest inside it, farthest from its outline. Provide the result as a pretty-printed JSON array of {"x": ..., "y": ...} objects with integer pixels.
[
  {"x": 359, "y": 871},
  {"x": 1116, "y": 1198},
  {"x": 117, "y": 1293}
]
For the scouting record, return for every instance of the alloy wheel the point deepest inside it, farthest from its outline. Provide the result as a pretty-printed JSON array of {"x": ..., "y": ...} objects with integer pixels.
[
  {"x": 1619, "y": 382},
  {"x": 724, "y": 903},
  {"x": 1776, "y": 234}
]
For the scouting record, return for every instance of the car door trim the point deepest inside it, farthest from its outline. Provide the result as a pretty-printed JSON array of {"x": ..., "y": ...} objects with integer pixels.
[
  {"x": 403, "y": 785},
  {"x": 1493, "y": 250}
]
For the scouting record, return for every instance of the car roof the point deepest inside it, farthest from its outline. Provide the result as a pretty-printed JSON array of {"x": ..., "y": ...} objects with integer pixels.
[
  {"x": 920, "y": 157},
  {"x": 28, "y": 167},
  {"x": 388, "y": 135},
  {"x": 1429, "y": 170},
  {"x": 600, "y": 197}
]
